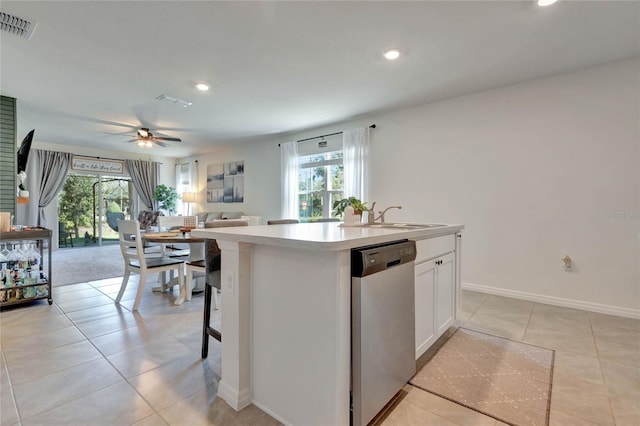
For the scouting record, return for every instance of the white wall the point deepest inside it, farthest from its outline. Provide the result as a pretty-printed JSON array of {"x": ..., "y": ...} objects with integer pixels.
[
  {"x": 532, "y": 170},
  {"x": 261, "y": 178}
]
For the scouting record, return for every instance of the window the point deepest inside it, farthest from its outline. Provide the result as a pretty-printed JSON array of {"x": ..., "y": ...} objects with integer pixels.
[
  {"x": 185, "y": 182},
  {"x": 320, "y": 183}
]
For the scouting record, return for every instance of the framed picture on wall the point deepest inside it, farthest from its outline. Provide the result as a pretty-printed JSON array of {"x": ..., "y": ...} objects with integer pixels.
[{"x": 225, "y": 182}]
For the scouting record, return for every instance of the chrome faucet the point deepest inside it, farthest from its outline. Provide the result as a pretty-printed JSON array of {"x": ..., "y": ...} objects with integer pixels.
[
  {"x": 381, "y": 217},
  {"x": 372, "y": 214}
]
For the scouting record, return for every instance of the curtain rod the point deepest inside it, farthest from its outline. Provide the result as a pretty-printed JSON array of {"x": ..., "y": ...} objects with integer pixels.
[
  {"x": 182, "y": 164},
  {"x": 373, "y": 126}
]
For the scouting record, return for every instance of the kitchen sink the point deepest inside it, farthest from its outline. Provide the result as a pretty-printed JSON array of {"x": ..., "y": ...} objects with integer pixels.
[{"x": 405, "y": 225}]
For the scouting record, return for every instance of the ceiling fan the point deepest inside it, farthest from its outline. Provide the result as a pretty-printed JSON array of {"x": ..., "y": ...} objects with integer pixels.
[{"x": 145, "y": 139}]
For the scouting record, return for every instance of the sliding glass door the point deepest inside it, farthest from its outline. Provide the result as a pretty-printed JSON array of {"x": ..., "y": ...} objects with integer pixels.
[{"x": 90, "y": 206}]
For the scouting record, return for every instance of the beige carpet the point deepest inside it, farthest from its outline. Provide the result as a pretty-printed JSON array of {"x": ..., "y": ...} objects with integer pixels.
[
  {"x": 509, "y": 381},
  {"x": 84, "y": 264}
]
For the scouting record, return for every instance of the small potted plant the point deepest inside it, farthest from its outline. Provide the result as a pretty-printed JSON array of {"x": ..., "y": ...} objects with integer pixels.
[
  {"x": 166, "y": 197},
  {"x": 22, "y": 189},
  {"x": 358, "y": 206}
]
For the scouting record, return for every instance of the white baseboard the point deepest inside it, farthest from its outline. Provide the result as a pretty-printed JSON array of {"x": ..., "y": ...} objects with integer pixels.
[
  {"x": 236, "y": 399},
  {"x": 271, "y": 413},
  {"x": 556, "y": 301}
]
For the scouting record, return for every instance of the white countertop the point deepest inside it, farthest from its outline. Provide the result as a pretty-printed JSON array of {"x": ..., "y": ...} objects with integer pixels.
[{"x": 329, "y": 236}]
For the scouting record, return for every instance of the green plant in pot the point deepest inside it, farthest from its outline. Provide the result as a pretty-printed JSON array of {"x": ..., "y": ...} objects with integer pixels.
[
  {"x": 340, "y": 205},
  {"x": 166, "y": 197}
]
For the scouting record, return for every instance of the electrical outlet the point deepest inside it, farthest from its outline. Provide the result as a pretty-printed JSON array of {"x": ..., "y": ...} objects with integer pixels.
[{"x": 230, "y": 282}]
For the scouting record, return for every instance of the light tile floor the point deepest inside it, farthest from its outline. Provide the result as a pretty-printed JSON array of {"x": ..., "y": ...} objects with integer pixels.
[{"x": 87, "y": 361}]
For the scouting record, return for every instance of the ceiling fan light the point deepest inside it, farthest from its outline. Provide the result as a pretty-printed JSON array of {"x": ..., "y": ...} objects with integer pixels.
[
  {"x": 148, "y": 144},
  {"x": 141, "y": 144},
  {"x": 144, "y": 133},
  {"x": 203, "y": 87}
]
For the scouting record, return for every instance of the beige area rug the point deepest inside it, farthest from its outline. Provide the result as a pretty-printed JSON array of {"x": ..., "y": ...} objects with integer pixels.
[
  {"x": 509, "y": 381},
  {"x": 84, "y": 264}
]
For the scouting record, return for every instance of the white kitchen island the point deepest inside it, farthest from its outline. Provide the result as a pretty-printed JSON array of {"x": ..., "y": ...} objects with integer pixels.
[{"x": 286, "y": 315}]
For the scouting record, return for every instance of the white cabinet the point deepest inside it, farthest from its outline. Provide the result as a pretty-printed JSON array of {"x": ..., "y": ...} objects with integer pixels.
[
  {"x": 445, "y": 293},
  {"x": 425, "y": 318},
  {"x": 436, "y": 290}
]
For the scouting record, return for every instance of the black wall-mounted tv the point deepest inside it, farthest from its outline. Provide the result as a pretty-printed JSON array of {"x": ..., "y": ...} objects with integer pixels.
[{"x": 23, "y": 151}]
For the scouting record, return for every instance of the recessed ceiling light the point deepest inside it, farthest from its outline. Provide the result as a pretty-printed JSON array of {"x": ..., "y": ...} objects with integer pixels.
[
  {"x": 202, "y": 86},
  {"x": 391, "y": 54},
  {"x": 546, "y": 2}
]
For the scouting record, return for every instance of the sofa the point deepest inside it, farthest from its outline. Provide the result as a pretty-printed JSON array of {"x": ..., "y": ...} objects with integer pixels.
[{"x": 211, "y": 216}]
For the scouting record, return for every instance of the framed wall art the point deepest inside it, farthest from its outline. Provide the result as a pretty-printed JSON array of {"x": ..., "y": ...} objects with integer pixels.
[{"x": 225, "y": 182}]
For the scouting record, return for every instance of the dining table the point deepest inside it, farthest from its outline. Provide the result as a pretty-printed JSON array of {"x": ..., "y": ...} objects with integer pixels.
[{"x": 196, "y": 252}]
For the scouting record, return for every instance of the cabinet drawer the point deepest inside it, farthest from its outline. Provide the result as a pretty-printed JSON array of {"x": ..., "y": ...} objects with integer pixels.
[{"x": 433, "y": 247}]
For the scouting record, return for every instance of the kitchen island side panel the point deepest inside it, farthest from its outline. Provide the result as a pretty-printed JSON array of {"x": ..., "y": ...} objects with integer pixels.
[{"x": 301, "y": 334}]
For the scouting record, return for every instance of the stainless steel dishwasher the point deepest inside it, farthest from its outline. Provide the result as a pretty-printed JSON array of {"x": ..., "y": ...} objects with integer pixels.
[{"x": 382, "y": 325}]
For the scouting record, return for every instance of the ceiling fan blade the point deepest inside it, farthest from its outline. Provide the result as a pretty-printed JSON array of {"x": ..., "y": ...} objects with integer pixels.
[
  {"x": 132, "y": 140},
  {"x": 162, "y": 144},
  {"x": 129, "y": 132},
  {"x": 167, "y": 139}
]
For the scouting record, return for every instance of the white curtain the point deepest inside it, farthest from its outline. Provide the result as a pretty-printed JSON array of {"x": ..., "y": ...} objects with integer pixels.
[
  {"x": 289, "y": 180},
  {"x": 357, "y": 163},
  {"x": 186, "y": 181}
]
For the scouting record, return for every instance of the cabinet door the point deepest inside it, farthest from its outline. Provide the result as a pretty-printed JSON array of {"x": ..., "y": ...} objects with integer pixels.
[
  {"x": 425, "y": 313},
  {"x": 445, "y": 293}
]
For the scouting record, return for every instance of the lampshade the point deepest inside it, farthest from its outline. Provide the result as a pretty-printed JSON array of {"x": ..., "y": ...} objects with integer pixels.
[{"x": 188, "y": 197}]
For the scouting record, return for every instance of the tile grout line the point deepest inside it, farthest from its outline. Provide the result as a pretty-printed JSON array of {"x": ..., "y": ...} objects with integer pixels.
[
  {"x": 13, "y": 396},
  {"x": 124, "y": 377},
  {"x": 604, "y": 378},
  {"x": 6, "y": 367},
  {"x": 477, "y": 309},
  {"x": 526, "y": 327},
  {"x": 97, "y": 390},
  {"x": 126, "y": 380}
]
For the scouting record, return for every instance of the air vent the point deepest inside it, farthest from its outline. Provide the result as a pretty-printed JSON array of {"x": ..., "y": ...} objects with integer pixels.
[
  {"x": 175, "y": 101},
  {"x": 17, "y": 26}
]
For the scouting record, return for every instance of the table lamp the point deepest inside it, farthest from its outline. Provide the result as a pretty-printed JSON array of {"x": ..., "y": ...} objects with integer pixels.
[{"x": 188, "y": 197}]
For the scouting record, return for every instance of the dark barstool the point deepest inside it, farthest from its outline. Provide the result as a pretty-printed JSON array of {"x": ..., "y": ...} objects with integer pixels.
[
  {"x": 212, "y": 283},
  {"x": 212, "y": 280}
]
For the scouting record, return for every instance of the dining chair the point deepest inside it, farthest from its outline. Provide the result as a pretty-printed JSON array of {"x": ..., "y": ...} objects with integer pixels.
[
  {"x": 135, "y": 261},
  {"x": 282, "y": 221},
  {"x": 175, "y": 223},
  {"x": 213, "y": 285},
  {"x": 190, "y": 221},
  {"x": 168, "y": 223},
  {"x": 64, "y": 235},
  {"x": 199, "y": 266}
]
